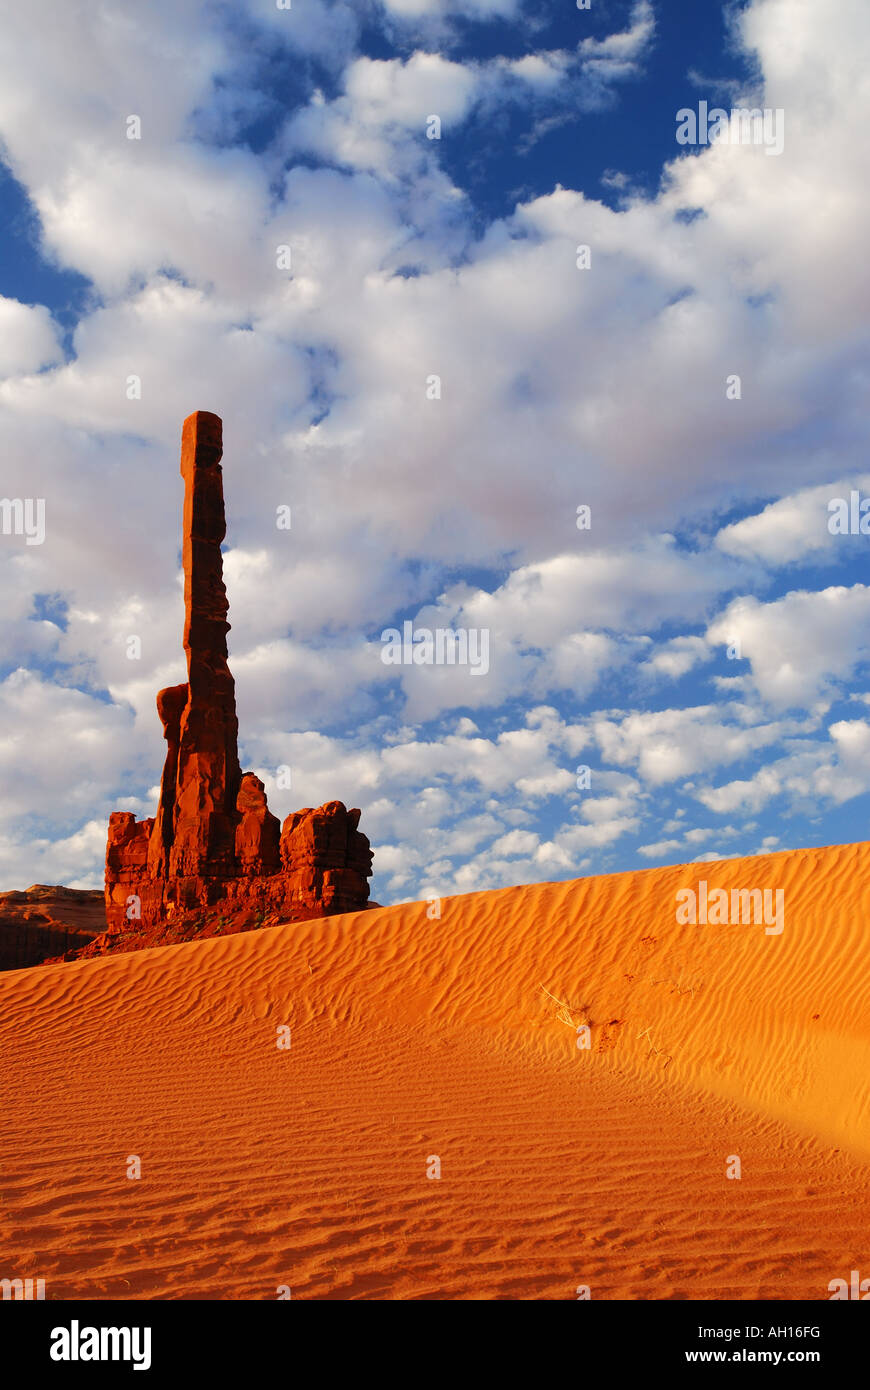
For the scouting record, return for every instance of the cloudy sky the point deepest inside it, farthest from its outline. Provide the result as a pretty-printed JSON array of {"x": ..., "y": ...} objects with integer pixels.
[{"x": 288, "y": 244}]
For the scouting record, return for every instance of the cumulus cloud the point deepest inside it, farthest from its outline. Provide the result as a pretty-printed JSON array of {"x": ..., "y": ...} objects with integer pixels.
[
  {"x": 627, "y": 46},
  {"x": 813, "y": 774},
  {"x": 558, "y": 387},
  {"x": 795, "y": 528},
  {"x": 666, "y": 745},
  {"x": 800, "y": 645},
  {"x": 678, "y": 656},
  {"x": 660, "y": 849},
  {"x": 28, "y": 338},
  {"x": 474, "y": 9}
]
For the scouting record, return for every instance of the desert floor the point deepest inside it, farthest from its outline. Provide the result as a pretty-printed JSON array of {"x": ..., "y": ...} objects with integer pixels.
[{"x": 415, "y": 1038}]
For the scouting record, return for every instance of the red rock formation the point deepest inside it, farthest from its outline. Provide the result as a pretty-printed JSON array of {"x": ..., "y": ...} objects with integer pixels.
[
  {"x": 131, "y": 889},
  {"x": 327, "y": 856},
  {"x": 39, "y": 922},
  {"x": 213, "y": 858},
  {"x": 258, "y": 832},
  {"x": 170, "y": 707},
  {"x": 208, "y": 763}
]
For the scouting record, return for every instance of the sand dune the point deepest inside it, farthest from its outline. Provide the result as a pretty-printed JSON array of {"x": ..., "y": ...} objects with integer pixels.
[{"x": 414, "y": 1037}]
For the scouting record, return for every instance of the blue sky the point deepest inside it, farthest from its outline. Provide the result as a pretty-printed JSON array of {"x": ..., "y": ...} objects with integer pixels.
[{"x": 157, "y": 258}]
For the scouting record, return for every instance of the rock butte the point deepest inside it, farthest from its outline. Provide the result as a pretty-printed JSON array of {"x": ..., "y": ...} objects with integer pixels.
[
  {"x": 214, "y": 843},
  {"x": 40, "y": 921}
]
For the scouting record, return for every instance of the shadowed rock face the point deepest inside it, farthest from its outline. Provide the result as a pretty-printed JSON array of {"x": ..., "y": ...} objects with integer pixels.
[
  {"x": 258, "y": 832},
  {"x": 170, "y": 707},
  {"x": 208, "y": 776},
  {"x": 39, "y": 922},
  {"x": 214, "y": 857}
]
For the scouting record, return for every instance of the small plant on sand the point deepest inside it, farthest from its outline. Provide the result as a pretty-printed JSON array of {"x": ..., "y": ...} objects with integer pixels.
[
  {"x": 666, "y": 1057},
  {"x": 573, "y": 1015}
]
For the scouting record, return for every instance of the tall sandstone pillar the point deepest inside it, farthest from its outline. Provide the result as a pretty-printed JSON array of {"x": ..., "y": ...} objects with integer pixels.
[
  {"x": 208, "y": 776},
  {"x": 214, "y": 843}
]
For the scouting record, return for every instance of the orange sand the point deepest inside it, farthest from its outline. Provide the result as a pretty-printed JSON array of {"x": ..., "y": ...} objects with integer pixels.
[{"x": 413, "y": 1037}]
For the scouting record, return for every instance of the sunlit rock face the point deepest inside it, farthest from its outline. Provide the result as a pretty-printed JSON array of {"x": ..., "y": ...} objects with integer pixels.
[{"x": 215, "y": 857}]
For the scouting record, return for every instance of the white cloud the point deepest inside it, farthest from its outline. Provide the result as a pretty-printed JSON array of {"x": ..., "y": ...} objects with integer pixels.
[
  {"x": 516, "y": 842},
  {"x": 28, "y": 338},
  {"x": 629, "y": 45},
  {"x": 678, "y": 656},
  {"x": 666, "y": 745},
  {"x": 474, "y": 9},
  {"x": 813, "y": 775},
  {"x": 795, "y": 528},
  {"x": 559, "y": 387},
  {"x": 661, "y": 849},
  {"x": 800, "y": 645}
]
